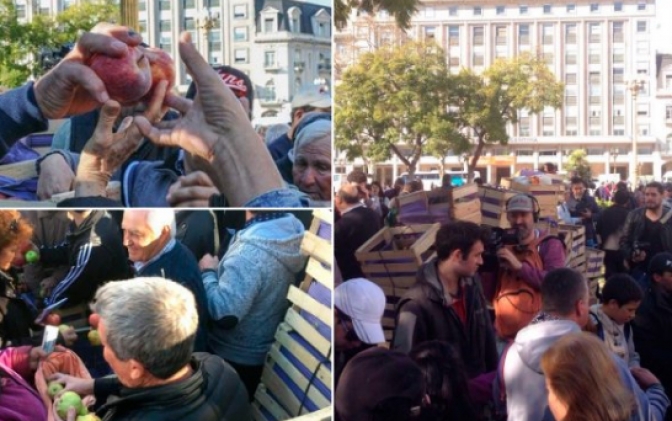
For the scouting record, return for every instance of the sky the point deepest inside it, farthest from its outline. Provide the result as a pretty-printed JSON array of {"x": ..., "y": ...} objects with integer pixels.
[{"x": 663, "y": 26}]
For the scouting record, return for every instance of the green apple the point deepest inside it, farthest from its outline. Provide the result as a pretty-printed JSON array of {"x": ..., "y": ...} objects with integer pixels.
[
  {"x": 54, "y": 388},
  {"x": 88, "y": 417},
  {"x": 32, "y": 256},
  {"x": 94, "y": 337},
  {"x": 67, "y": 400}
]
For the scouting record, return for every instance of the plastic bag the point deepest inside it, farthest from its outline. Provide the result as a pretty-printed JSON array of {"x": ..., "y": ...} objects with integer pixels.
[{"x": 66, "y": 362}]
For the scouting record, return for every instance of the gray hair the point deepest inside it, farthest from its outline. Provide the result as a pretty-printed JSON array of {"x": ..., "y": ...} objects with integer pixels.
[
  {"x": 151, "y": 320},
  {"x": 159, "y": 218},
  {"x": 274, "y": 131},
  {"x": 311, "y": 133}
]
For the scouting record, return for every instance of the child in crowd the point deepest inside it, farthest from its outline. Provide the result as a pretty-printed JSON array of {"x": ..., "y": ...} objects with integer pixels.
[{"x": 610, "y": 320}]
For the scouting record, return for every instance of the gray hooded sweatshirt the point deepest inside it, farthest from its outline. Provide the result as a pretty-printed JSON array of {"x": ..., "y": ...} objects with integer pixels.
[
  {"x": 526, "y": 398},
  {"x": 251, "y": 286}
]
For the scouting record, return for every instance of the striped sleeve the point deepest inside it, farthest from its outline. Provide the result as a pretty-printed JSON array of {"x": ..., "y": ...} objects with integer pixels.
[{"x": 83, "y": 258}]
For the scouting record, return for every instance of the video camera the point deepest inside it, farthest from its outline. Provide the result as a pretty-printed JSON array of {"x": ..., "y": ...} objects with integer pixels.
[{"x": 500, "y": 237}]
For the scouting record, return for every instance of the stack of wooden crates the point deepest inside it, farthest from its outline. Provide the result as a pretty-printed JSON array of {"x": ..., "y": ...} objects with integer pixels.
[
  {"x": 391, "y": 259},
  {"x": 296, "y": 381}
]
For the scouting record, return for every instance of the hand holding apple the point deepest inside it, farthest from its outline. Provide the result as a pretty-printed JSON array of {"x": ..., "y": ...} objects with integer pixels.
[
  {"x": 162, "y": 68},
  {"x": 53, "y": 319},
  {"x": 72, "y": 87},
  {"x": 82, "y": 387},
  {"x": 127, "y": 78}
]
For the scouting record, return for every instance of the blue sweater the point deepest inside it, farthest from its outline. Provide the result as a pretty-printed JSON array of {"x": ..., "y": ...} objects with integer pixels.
[
  {"x": 251, "y": 287},
  {"x": 19, "y": 116},
  {"x": 180, "y": 265}
]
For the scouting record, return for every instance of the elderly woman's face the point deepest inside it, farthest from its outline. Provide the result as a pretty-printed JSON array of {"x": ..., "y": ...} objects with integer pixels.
[
  {"x": 7, "y": 255},
  {"x": 312, "y": 169}
]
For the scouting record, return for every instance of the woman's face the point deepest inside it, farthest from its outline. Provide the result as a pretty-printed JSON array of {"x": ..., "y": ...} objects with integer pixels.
[
  {"x": 375, "y": 190},
  {"x": 7, "y": 255},
  {"x": 312, "y": 169},
  {"x": 558, "y": 408}
]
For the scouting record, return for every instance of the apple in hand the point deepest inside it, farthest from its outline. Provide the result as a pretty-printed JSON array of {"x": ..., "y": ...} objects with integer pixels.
[
  {"x": 127, "y": 79},
  {"x": 54, "y": 388},
  {"x": 53, "y": 319},
  {"x": 19, "y": 260},
  {"x": 94, "y": 337},
  {"x": 32, "y": 256},
  {"x": 67, "y": 400},
  {"x": 26, "y": 247},
  {"x": 163, "y": 68}
]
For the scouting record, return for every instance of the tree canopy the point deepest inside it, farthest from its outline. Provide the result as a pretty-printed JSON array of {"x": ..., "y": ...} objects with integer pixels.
[
  {"x": 577, "y": 163},
  {"x": 402, "y": 10},
  {"x": 21, "y": 43},
  {"x": 404, "y": 101}
]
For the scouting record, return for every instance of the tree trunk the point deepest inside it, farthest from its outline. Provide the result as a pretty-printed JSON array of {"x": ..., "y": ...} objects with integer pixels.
[
  {"x": 471, "y": 167},
  {"x": 442, "y": 166},
  {"x": 409, "y": 164}
]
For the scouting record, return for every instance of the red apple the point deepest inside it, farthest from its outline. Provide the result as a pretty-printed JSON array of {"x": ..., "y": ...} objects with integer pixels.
[
  {"x": 26, "y": 247},
  {"x": 163, "y": 68},
  {"x": 53, "y": 319},
  {"x": 127, "y": 79},
  {"x": 19, "y": 260},
  {"x": 94, "y": 318}
]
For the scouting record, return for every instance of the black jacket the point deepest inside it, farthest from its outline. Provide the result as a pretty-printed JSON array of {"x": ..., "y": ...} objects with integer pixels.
[
  {"x": 179, "y": 265},
  {"x": 213, "y": 392},
  {"x": 587, "y": 202},
  {"x": 423, "y": 316},
  {"x": 352, "y": 230},
  {"x": 611, "y": 220},
  {"x": 634, "y": 230},
  {"x": 652, "y": 334},
  {"x": 95, "y": 253}
]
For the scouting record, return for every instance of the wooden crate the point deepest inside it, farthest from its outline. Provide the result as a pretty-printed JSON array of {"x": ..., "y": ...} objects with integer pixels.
[
  {"x": 391, "y": 259},
  {"x": 548, "y": 196},
  {"x": 594, "y": 262},
  {"x": 575, "y": 245},
  {"x": 297, "y": 376},
  {"x": 493, "y": 206}
]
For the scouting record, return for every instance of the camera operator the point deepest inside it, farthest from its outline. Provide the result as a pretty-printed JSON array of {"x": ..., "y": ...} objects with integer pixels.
[
  {"x": 582, "y": 205},
  {"x": 648, "y": 231},
  {"x": 522, "y": 267}
]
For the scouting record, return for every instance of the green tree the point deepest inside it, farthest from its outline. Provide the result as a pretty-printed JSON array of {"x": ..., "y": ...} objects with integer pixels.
[
  {"x": 578, "y": 164},
  {"x": 394, "y": 101},
  {"x": 21, "y": 43},
  {"x": 484, "y": 104},
  {"x": 402, "y": 10}
]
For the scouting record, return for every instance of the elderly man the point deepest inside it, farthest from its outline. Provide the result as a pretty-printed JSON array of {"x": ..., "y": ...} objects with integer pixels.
[
  {"x": 149, "y": 236},
  {"x": 247, "y": 290},
  {"x": 147, "y": 328}
]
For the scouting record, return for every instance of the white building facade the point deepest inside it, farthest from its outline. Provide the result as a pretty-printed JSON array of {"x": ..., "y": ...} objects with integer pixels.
[{"x": 596, "y": 47}]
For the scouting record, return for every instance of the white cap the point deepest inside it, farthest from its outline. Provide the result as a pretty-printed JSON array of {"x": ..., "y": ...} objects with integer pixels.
[
  {"x": 364, "y": 302},
  {"x": 313, "y": 96}
]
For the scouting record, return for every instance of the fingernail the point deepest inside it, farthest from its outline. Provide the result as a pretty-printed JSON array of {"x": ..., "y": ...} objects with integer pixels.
[
  {"x": 103, "y": 97},
  {"x": 118, "y": 45}
]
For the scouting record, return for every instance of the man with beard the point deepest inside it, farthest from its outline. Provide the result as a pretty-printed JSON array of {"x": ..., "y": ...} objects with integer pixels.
[
  {"x": 648, "y": 231},
  {"x": 582, "y": 205},
  {"x": 522, "y": 267}
]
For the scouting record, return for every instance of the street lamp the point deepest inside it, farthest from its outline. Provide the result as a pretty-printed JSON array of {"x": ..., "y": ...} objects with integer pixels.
[
  {"x": 634, "y": 86},
  {"x": 206, "y": 22}
]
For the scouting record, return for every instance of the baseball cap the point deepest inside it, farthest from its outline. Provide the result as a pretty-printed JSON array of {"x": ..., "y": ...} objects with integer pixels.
[
  {"x": 374, "y": 376},
  {"x": 314, "y": 96},
  {"x": 520, "y": 203},
  {"x": 364, "y": 302},
  {"x": 660, "y": 263}
]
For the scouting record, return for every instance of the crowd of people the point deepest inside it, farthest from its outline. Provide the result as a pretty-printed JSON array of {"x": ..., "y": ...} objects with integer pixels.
[
  {"x": 187, "y": 313},
  {"x": 197, "y": 150},
  {"x": 496, "y": 326}
]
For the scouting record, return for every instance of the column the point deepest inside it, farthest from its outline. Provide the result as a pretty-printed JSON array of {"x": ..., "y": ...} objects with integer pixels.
[
  {"x": 607, "y": 163},
  {"x": 535, "y": 160},
  {"x": 558, "y": 156},
  {"x": 657, "y": 166}
]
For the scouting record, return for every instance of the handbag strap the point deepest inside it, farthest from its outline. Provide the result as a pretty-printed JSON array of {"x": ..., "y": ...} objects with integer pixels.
[{"x": 666, "y": 217}]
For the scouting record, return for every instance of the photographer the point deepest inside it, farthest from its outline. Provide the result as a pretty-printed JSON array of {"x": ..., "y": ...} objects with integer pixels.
[
  {"x": 648, "y": 231},
  {"x": 522, "y": 267},
  {"x": 582, "y": 205}
]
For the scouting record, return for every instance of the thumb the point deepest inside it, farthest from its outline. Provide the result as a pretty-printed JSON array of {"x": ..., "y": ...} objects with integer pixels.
[{"x": 108, "y": 115}]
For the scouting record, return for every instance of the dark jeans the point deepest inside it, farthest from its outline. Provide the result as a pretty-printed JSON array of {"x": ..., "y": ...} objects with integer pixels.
[
  {"x": 250, "y": 376},
  {"x": 613, "y": 263}
]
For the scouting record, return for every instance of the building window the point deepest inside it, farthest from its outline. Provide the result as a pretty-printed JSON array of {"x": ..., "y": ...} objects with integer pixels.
[
  {"x": 164, "y": 26},
  {"x": 547, "y": 34},
  {"x": 164, "y": 5},
  {"x": 570, "y": 57},
  {"x": 571, "y": 8},
  {"x": 240, "y": 33},
  {"x": 643, "y": 110},
  {"x": 142, "y": 6},
  {"x": 523, "y": 10},
  {"x": 21, "y": 11},
  {"x": 500, "y": 35},
  {"x": 595, "y": 132},
  {"x": 240, "y": 55},
  {"x": 524, "y": 126},
  {"x": 213, "y": 3},
  {"x": 189, "y": 24},
  {"x": 188, "y": 4},
  {"x": 570, "y": 121},
  {"x": 478, "y": 59},
  {"x": 547, "y": 9},
  {"x": 617, "y": 31},
  {"x": 165, "y": 43},
  {"x": 430, "y": 33},
  {"x": 618, "y": 6},
  {"x": 668, "y": 81},
  {"x": 641, "y": 5},
  {"x": 570, "y": 33},
  {"x": 452, "y": 11},
  {"x": 594, "y": 7},
  {"x": 619, "y": 132},
  {"x": 668, "y": 112},
  {"x": 523, "y": 34},
  {"x": 453, "y": 35},
  {"x": 643, "y": 130},
  {"x": 570, "y": 79},
  {"x": 548, "y": 57},
  {"x": 594, "y": 77},
  {"x": 478, "y": 35},
  {"x": 214, "y": 41},
  {"x": 323, "y": 29},
  {"x": 618, "y": 76},
  {"x": 269, "y": 90},
  {"x": 240, "y": 11},
  {"x": 619, "y": 55},
  {"x": 548, "y": 121},
  {"x": 619, "y": 120},
  {"x": 500, "y": 10},
  {"x": 269, "y": 25},
  {"x": 269, "y": 59},
  {"x": 477, "y": 11},
  {"x": 641, "y": 26},
  {"x": 142, "y": 26},
  {"x": 595, "y": 31}
]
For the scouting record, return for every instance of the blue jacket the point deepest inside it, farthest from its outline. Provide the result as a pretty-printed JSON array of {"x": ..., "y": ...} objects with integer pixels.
[
  {"x": 247, "y": 296},
  {"x": 19, "y": 116},
  {"x": 180, "y": 265}
]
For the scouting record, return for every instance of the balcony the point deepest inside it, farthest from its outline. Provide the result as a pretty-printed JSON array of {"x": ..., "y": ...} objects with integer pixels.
[
  {"x": 324, "y": 68},
  {"x": 272, "y": 67},
  {"x": 268, "y": 102}
]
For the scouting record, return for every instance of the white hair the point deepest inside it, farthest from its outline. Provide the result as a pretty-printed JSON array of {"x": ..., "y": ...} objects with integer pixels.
[
  {"x": 317, "y": 130},
  {"x": 159, "y": 218}
]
